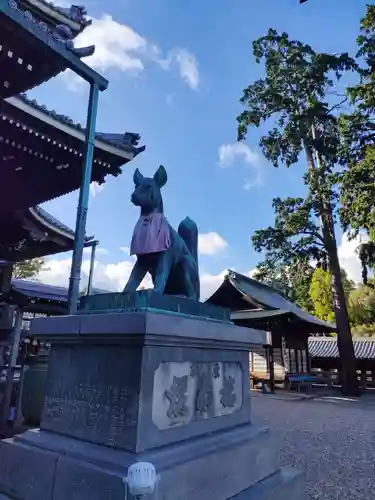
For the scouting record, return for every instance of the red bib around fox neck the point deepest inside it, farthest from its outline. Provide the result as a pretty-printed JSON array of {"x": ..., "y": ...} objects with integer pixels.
[{"x": 151, "y": 234}]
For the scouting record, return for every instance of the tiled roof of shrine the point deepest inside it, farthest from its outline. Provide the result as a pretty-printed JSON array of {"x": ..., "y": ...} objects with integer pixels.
[
  {"x": 34, "y": 48},
  {"x": 259, "y": 304},
  {"x": 42, "y": 153},
  {"x": 323, "y": 347},
  {"x": 33, "y": 232},
  {"x": 127, "y": 141}
]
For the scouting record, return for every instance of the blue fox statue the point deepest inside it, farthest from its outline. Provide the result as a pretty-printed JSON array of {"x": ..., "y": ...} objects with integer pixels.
[{"x": 170, "y": 257}]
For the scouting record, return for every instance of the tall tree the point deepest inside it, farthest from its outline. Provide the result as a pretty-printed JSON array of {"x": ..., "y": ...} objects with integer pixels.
[
  {"x": 27, "y": 269},
  {"x": 292, "y": 95},
  {"x": 293, "y": 280},
  {"x": 357, "y": 192}
]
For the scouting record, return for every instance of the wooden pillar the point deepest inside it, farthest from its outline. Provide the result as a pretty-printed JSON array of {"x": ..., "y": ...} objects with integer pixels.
[
  {"x": 272, "y": 369},
  {"x": 363, "y": 379},
  {"x": 297, "y": 361},
  {"x": 308, "y": 360},
  {"x": 251, "y": 363}
]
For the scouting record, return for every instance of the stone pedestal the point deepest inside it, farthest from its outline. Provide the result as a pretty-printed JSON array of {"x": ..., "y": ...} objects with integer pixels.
[{"x": 159, "y": 387}]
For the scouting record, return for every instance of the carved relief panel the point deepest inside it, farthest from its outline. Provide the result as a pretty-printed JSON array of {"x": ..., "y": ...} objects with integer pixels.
[{"x": 186, "y": 392}]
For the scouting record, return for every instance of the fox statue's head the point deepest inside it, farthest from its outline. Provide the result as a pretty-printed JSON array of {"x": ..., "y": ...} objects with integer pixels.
[{"x": 147, "y": 192}]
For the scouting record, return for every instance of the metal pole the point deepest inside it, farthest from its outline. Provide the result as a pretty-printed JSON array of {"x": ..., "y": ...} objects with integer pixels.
[
  {"x": 79, "y": 238},
  {"x": 92, "y": 265}
]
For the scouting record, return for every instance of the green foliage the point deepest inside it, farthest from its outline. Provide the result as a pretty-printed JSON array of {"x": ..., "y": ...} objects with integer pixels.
[
  {"x": 366, "y": 253},
  {"x": 357, "y": 211},
  {"x": 321, "y": 294},
  {"x": 296, "y": 234},
  {"x": 292, "y": 280},
  {"x": 28, "y": 269},
  {"x": 347, "y": 283},
  {"x": 292, "y": 95},
  {"x": 289, "y": 247},
  {"x": 362, "y": 305},
  {"x": 366, "y": 330}
]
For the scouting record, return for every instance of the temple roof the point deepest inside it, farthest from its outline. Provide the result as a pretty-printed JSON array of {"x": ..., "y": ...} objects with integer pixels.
[
  {"x": 39, "y": 298},
  {"x": 42, "y": 153},
  {"x": 33, "y": 232},
  {"x": 33, "y": 48},
  {"x": 323, "y": 347},
  {"x": 256, "y": 303}
]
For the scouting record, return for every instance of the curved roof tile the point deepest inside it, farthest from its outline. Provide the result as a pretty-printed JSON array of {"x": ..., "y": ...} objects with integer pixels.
[
  {"x": 327, "y": 348},
  {"x": 55, "y": 222},
  {"x": 126, "y": 142}
]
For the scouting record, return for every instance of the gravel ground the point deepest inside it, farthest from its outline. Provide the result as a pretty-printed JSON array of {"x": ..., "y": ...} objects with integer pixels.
[{"x": 332, "y": 441}]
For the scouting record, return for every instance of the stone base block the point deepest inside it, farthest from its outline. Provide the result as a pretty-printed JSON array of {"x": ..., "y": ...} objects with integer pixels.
[{"x": 40, "y": 465}]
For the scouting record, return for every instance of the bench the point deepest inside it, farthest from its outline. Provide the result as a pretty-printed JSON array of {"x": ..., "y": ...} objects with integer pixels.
[{"x": 299, "y": 380}]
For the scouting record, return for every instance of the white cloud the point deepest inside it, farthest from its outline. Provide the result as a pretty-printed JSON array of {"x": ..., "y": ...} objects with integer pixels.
[
  {"x": 56, "y": 272},
  {"x": 110, "y": 277},
  {"x": 113, "y": 277},
  {"x": 116, "y": 45},
  {"x": 119, "y": 47},
  {"x": 210, "y": 283},
  {"x": 186, "y": 63},
  {"x": 125, "y": 250},
  {"x": 96, "y": 189},
  {"x": 211, "y": 243},
  {"x": 348, "y": 256},
  {"x": 229, "y": 154},
  {"x": 251, "y": 273},
  {"x": 99, "y": 250},
  {"x": 63, "y": 3}
]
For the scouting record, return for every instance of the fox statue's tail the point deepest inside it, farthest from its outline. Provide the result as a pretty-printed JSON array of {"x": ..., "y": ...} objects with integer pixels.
[{"x": 188, "y": 231}]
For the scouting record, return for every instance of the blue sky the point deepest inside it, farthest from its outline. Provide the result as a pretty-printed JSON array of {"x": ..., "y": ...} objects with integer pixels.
[{"x": 176, "y": 71}]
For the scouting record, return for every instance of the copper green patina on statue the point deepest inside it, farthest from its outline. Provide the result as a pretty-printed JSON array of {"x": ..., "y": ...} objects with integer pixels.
[
  {"x": 171, "y": 257},
  {"x": 149, "y": 300}
]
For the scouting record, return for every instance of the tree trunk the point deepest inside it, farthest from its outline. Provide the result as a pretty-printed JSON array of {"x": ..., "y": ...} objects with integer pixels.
[{"x": 344, "y": 335}]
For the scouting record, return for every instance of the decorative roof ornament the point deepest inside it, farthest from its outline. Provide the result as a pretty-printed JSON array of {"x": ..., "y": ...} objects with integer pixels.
[
  {"x": 128, "y": 141},
  {"x": 76, "y": 13},
  {"x": 60, "y": 33},
  {"x": 65, "y": 35}
]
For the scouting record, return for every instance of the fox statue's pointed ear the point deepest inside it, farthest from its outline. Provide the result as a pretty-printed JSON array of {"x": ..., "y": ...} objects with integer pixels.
[
  {"x": 160, "y": 176},
  {"x": 137, "y": 177}
]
